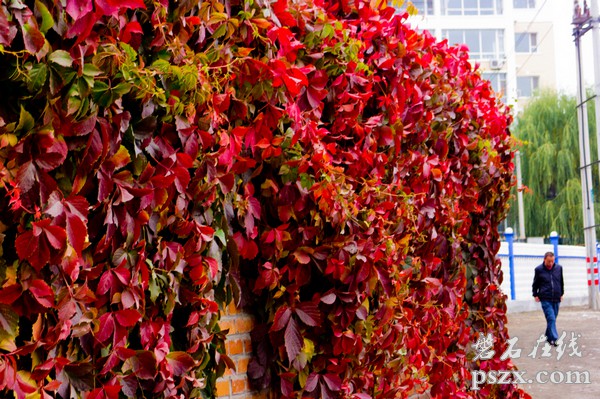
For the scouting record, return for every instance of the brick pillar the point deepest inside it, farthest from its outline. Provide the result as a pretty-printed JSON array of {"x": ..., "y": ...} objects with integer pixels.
[{"x": 238, "y": 345}]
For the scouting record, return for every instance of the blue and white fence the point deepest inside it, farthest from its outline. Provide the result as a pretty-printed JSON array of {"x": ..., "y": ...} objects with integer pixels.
[{"x": 525, "y": 258}]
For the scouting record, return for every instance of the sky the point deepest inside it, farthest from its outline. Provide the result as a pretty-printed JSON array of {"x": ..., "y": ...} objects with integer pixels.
[{"x": 562, "y": 13}]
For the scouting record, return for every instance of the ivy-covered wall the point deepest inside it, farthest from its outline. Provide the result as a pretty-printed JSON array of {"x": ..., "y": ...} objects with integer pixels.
[{"x": 321, "y": 164}]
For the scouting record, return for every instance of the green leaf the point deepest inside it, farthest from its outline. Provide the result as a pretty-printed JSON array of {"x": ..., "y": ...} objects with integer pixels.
[
  {"x": 62, "y": 58},
  {"x": 327, "y": 31},
  {"x": 131, "y": 53},
  {"x": 26, "y": 122},
  {"x": 306, "y": 180},
  {"x": 9, "y": 323},
  {"x": 37, "y": 77},
  {"x": 91, "y": 70},
  {"x": 47, "y": 20},
  {"x": 73, "y": 105},
  {"x": 221, "y": 30},
  {"x": 220, "y": 234},
  {"x": 161, "y": 65},
  {"x": 102, "y": 94},
  {"x": 122, "y": 89}
]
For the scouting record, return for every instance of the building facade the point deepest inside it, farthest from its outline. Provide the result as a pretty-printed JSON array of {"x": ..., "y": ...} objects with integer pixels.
[{"x": 511, "y": 40}]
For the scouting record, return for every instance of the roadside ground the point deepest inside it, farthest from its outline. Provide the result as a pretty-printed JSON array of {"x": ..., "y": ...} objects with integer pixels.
[{"x": 557, "y": 375}]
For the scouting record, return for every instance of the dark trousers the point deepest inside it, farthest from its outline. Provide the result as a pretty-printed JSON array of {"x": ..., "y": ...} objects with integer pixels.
[{"x": 551, "y": 312}]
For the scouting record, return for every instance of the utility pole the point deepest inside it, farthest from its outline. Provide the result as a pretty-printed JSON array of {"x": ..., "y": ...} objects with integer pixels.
[
  {"x": 583, "y": 22},
  {"x": 522, "y": 235}
]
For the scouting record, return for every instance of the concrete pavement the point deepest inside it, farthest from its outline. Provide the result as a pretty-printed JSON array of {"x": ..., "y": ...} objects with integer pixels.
[{"x": 560, "y": 373}]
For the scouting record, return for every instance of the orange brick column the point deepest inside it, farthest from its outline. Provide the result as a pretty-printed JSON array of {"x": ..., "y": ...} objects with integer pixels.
[{"x": 234, "y": 384}]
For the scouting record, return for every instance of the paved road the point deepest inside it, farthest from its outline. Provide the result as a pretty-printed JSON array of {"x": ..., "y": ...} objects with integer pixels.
[{"x": 581, "y": 323}]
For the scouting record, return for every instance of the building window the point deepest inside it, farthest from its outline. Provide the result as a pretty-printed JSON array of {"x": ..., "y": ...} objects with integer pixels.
[
  {"x": 425, "y": 7},
  {"x": 526, "y": 42},
  {"x": 498, "y": 82},
  {"x": 527, "y": 85},
  {"x": 524, "y": 3},
  {"x": 471, "y": 7},
  {"x": 484, "y": 44}
]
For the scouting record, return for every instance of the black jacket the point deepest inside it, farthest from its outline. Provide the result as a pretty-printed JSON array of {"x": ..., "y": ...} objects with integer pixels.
[{"x": 548, "y": 285}]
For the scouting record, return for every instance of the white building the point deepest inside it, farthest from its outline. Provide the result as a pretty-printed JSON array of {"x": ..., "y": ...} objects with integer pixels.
[{"x": 513, "y": 41}]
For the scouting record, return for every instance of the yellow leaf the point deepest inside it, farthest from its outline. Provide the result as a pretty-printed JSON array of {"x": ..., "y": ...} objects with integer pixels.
[
  {"x": 412, "y": 10},
  {"x": 8, "y": 139},
  {"x": 261, "y": 23},
  {"x": 308, "y": 349},
  {"x": 244, "y": 51}
]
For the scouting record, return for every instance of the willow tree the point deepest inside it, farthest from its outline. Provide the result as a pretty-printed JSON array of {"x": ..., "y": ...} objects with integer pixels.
[{"x": 550, "y": 162}]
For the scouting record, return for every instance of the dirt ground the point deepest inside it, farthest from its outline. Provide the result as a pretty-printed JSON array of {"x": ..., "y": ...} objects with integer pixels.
[{"x": 553, "y": 377}]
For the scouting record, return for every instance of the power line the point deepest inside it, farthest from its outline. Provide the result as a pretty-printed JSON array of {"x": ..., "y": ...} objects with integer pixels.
[
  {"x": 530, "y": 23},
  {"x": 495, "y": 74},
  {"x": 538, "y": 45},
  {"x": 522, "y": 36}
]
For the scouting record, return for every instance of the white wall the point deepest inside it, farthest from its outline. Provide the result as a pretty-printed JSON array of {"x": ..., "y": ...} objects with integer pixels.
[{"x": 527, "y": 257}]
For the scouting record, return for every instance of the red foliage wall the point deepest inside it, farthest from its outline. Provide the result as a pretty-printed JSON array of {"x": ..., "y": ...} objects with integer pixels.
[{"x": 319, "y": 162}]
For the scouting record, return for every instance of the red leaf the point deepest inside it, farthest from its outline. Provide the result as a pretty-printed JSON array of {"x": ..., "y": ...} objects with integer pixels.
[
  {"x": 281, "y": 319},
  {"x": 193, "y": 20},
  {"x": 112, "y": 361},
  {"x": 294, "y": 80},
  {"x": 66, "y": 310},
  {"x": 180, "y": 362},
  {"x": 55, "y": 235},
  {"x": 25, "y": 386},
  {"x": 42, "y": 293},
  {"x": 302, "y": 257},
  {"x": 309, "y": 313},
  {"x": 52, "y": 386},
  {"x": 131, "y": 27},
  {"x": 293, "y": 340},
  {"x": 97, "y": 393},
  {"x": 226, "y": 182},
  {"x": 333, "y": 381},
  {"x": 10, "y": 293},
  {"x": 328, "y": 298},
  {"x": 143, "y": 365},
  {"x": 122, "y": 274},
  {"x": 37, "y": 245},
  {"x": 107, "y": 280},
  {"x": 247, "y": 248},
  {"x": 127, "y": 317},
  {"x": 213, "y": 266},
  {"x": 131, "y": 4},
  {"x": 108, "y": 7},
  {"x": 77, "y": 8},
  {"x": 112, "y": 391},
  {"x": 311, "y": 382},
  {"x": 106, "y": 327},
  {"x": 33, "y": 39},
  {"x": 76, "y": 232},
  {"x": 280, "y": 7},
  {"x": 52, "y": 151},
  {"x": 268, "y": 277},
  {"x": 27, "y": 175},
  {"x": 80, "y": 128},
  {"x": 82, "y": 27},
  {"x": 7, "y": 32}
]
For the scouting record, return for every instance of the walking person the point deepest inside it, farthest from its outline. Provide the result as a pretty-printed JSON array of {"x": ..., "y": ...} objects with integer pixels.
[{"x": 548, "y": 289}]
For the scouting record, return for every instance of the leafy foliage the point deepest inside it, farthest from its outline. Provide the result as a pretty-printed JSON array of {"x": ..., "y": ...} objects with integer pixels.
[
  {"x": 548, "y": 131},
  {"x": 320, "y": 161}
]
